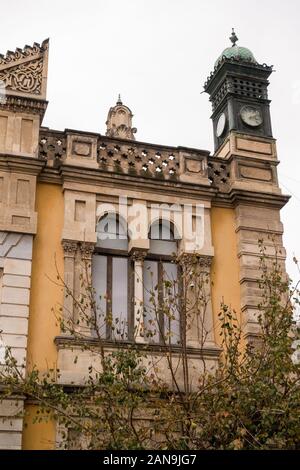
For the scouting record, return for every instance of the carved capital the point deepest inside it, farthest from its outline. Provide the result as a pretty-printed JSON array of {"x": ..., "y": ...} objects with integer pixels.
[
  {"x": 87, "y": 250},
  {"x": 205, "y": 261},
  {"x": 69, "y": 247},
  {"x": 202, "y": 261},
  {"x": 138, "y": 254}
]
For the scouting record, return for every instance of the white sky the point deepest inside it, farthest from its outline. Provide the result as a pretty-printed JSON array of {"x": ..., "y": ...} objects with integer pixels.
[{"x": 157, "y": 54}]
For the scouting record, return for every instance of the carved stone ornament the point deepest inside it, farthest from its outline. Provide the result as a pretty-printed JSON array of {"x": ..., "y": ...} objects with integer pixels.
[
  {"x": 24, "y": 72},
  {"x": 52, "y": 147},
  {"x": 138, "y": 255},
  {"x": 23, "y": 104},
  {"x": 69, "y": 247},
  {"x": 87, "y": 249},
  {"x": 24, "y": 77},
  {"x": 203, "y": 261},
  {"x": 119, "y": 122}
]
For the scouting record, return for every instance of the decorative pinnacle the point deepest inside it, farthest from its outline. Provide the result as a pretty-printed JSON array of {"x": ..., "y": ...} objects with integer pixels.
[
  {"x": 119, "y": 99},
  {"x": 233, "y": 38}
]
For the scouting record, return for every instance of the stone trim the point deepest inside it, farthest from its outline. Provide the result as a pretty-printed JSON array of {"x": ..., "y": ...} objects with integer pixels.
[
  {"x": 25, "y": 105},
  {"x": 11, "y": 425},
  {"x": 15, "y": 264},
  {"x": 70, "y": 341},
  {"x": 262, "y": 221}
]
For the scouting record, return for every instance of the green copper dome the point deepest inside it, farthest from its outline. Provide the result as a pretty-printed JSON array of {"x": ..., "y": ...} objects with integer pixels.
[{"x": 235, "y": 52}]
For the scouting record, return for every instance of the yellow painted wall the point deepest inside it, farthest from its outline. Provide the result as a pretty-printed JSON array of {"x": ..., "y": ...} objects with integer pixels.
[
  {"x": 225, "y": 266},
  {"x": 37, "y": 436},
  {"x": 44, "y": 296}
]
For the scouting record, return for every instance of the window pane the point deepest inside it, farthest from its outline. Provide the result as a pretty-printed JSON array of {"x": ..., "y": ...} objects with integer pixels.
[
  {"x": 99, "y": 279},
  {"x": 151, "y": 300},
  {"x": 166, "y": 230},
  {"x": 161, "y": 230},
  {"x": 120, "y": 298},
  {"x": 163, "y": 247},
  {"x": 171, "y": 321},
  {"x": 111, "y": 233},
  {"x": 116, "y": 244}
]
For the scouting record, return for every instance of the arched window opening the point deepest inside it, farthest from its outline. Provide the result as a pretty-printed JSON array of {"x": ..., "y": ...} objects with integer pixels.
[
  {"x": 111, "y": 278},
  {"x": 161, "y": 293}
]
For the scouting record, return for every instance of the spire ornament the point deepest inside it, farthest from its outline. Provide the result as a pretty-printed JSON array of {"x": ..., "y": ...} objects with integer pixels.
[
  {"x": 233, "y": 38},
  {"x": 119, "y": 122},
  {"x": 119, "y": 102}
]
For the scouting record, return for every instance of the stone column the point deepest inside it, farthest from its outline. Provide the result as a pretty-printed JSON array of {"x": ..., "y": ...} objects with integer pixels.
[
  {"x": 138, "y": 257},
  {"x": 83, "y": 284},
  {"x": 70, "y": 249},
  {"x": 197, "y": 286}
]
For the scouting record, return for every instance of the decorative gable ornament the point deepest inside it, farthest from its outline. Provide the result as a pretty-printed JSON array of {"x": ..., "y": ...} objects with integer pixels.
[{"x": 24, "y": 72}]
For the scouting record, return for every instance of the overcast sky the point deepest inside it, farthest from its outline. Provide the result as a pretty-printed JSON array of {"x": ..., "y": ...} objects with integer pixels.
[{"x": 157, "y": 54}]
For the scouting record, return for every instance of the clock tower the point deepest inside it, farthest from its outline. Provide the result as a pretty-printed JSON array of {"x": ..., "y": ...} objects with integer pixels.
[
  {"x": 238, "y": 92},
  {"x": 243, "y": 169}
]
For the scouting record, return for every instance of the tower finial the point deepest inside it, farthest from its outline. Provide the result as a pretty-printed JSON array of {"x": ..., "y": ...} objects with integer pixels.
[
  {"x": 233, "y": 38},
  {"x": 119, "y": 99}
]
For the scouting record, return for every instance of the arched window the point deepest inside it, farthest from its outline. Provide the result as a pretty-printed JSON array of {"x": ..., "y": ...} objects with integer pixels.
[
  {"x": 161, "y": 295},
  {"x": 111, "y": 279}
]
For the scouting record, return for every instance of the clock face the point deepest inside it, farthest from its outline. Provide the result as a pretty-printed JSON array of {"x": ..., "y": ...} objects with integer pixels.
[
  {"x": 221, "y": 125},
  {"x": 251, "y": 116}
]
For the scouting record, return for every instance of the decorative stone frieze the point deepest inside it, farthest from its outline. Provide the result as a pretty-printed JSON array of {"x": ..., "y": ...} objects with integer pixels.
[
  {"x": 52, "y": 148},
  {"x": 24, "y": 71},
  {"x": 116, "y": 155},
  {"x": 23, "y": 104}
]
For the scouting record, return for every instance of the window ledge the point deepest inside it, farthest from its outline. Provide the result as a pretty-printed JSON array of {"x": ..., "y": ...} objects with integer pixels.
[{"x": 64, "y": 341}]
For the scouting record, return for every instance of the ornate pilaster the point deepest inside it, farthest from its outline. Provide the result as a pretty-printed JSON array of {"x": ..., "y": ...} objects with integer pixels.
[
  {"x": 83, "y": 287},
  {"x": 195, "y": 276},
  {"x": 70, "y": 248},
  {"x": 138, "y": 256}
]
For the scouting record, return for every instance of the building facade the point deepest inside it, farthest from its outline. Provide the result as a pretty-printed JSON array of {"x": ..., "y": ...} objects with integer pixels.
[{"x": 58, "y": 190}]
